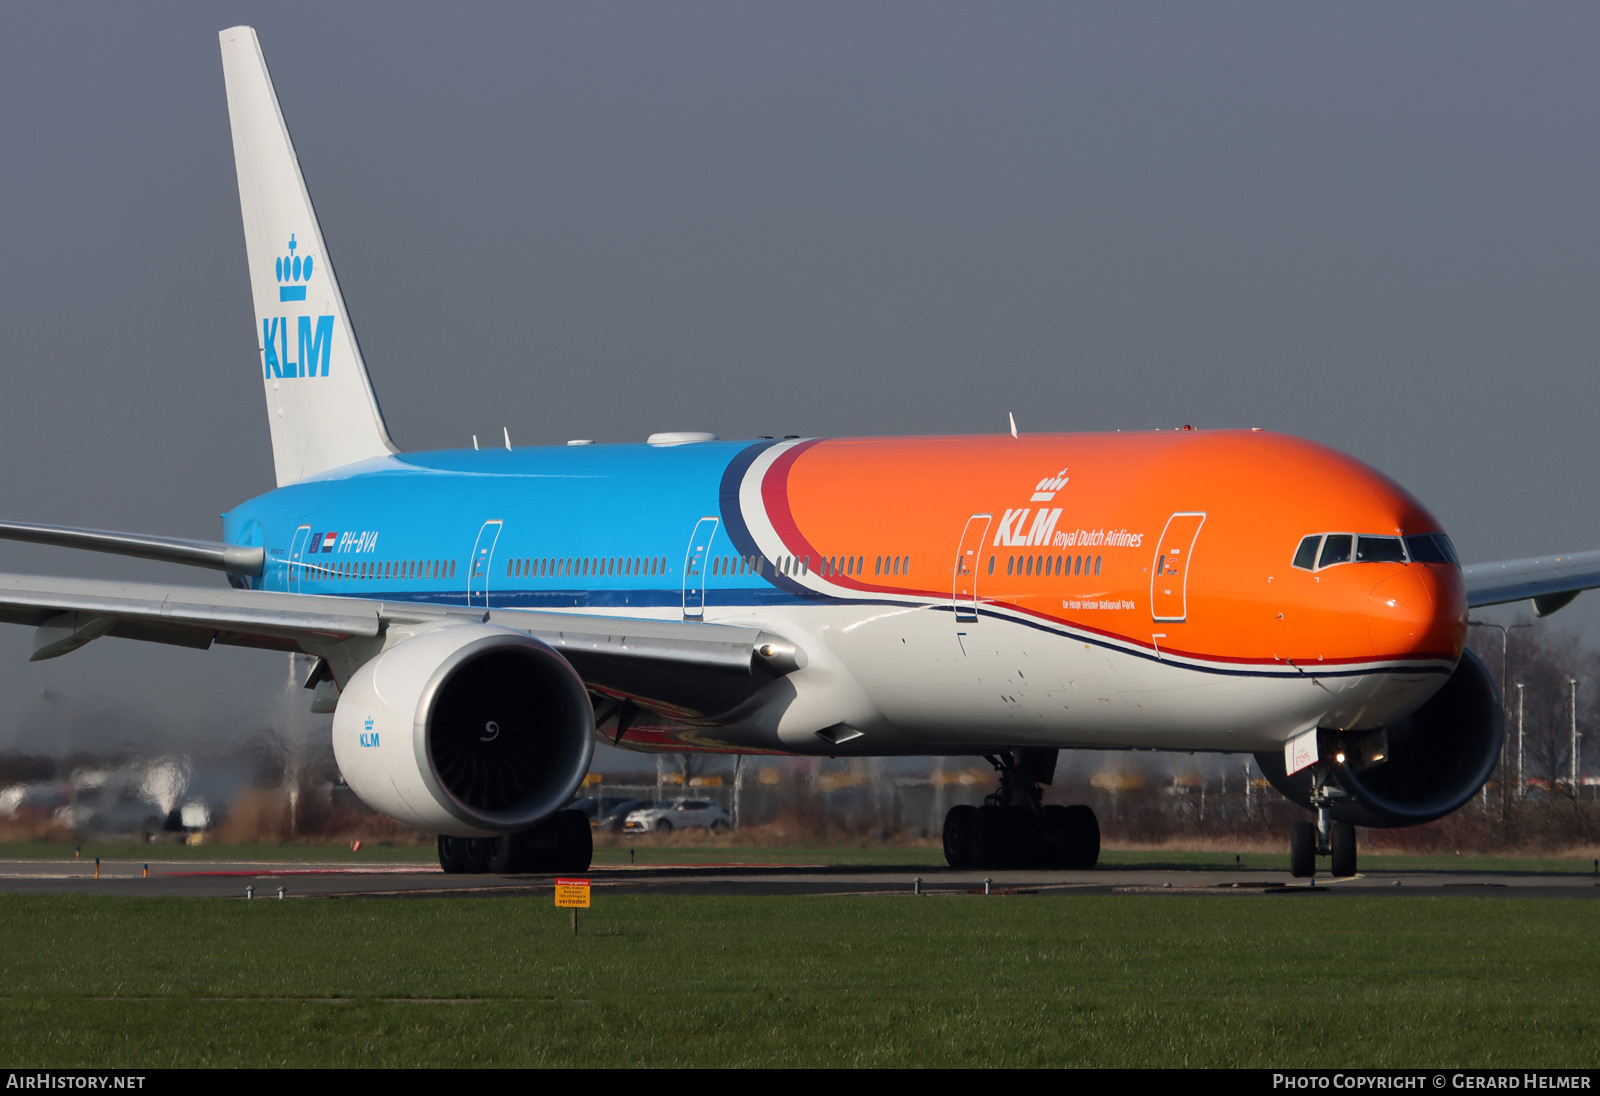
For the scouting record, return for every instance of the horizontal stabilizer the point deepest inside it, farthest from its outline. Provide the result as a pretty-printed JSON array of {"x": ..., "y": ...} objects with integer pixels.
[{"x": 235, "y": 559}]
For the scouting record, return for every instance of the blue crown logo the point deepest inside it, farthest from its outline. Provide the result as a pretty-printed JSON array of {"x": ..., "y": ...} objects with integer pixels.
[{"x": 293, "y": 268}]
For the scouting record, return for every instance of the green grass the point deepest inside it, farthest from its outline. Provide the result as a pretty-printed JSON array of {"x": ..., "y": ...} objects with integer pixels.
[{"x": 1333, "y": 981}]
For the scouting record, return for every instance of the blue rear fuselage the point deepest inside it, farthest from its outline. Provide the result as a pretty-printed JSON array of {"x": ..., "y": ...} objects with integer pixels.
[{"x": 606, "y": 526}]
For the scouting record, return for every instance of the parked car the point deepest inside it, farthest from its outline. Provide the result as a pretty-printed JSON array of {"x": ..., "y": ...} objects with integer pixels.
[
  {"x": 679, "y": 814},
  {"x": 611, "y": 821}
]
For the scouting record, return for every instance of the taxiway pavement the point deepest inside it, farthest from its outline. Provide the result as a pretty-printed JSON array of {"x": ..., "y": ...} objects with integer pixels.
[{"x": 231, "y": 879}]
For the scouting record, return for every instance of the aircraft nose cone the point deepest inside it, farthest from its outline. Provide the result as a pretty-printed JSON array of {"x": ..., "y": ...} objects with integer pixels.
[{"x": 1413, "y": 613}]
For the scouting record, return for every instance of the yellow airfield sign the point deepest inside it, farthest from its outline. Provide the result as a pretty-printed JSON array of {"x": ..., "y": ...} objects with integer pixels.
[{"x": 572, "y": 894}]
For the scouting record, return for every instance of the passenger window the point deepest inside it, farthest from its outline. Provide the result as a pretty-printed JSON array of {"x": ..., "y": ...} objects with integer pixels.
[
  {"x": 1305, "y": 557},
  {"x": 1335, "y": 549}
]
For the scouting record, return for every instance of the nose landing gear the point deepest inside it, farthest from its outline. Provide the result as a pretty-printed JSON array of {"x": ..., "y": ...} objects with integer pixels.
[
  {"x": 1014, "y": 829},
  {"x": 1326, "y": 837}
]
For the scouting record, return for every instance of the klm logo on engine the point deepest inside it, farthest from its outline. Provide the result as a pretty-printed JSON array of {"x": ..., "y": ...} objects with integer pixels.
[
  {"x": 313, "y": 342},
  {"x": 370, "y": 738}
]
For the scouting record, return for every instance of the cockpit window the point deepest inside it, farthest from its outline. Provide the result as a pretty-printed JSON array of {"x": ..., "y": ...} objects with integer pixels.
[
  {"x": 1324, "y": 550},
  {"x": 1306, "y": 556},
  {"x": 1431, "y": 548},
  {"x": 1335, "y": 549},
  {"x": 1371, "y": 549}
]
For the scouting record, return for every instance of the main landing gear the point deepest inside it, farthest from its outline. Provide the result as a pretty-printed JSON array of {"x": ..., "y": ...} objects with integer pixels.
[
  {"x": 1325, "y": 837},
  {"x": 1013, "y": 829},
  {"x": 561, "y": 843}
]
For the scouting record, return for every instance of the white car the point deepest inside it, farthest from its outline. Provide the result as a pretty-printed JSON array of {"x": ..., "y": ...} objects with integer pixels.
[{"x": 677, "y": 815}]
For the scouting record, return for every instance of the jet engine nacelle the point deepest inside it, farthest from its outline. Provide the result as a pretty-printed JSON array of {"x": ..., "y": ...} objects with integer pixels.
[
  {"x": 1434, "y": 760},
  {"x": 467, "y": 729}
]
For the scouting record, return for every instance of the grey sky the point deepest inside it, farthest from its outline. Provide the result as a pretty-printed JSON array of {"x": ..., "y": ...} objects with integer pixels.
[{"x": 1372, "y": 225}]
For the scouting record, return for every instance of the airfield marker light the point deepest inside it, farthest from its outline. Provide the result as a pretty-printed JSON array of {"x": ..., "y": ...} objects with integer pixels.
[
  {"x": 1237, "y": 865},
  {"x": 147, "y": 871},
  {"x": 97, "y": 867},
  {"x": 280, "y": 894},
  {"x": 987, "y": 883},
  {"x": 250, "y": 891},
  {"x": 916, "y": 885},
  {"x": 630, "y": 856},
  {"x": 77, "y": 853}
]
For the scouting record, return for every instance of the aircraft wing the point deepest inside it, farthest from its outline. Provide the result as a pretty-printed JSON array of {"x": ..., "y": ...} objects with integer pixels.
[
  {"x": 683, "y": 667},
  {"x": 1548, "y": 581}
]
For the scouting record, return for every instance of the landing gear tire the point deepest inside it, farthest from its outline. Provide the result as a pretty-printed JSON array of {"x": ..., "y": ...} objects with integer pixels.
[
  {"x": 561, "y": 843},
  {"x": 574, "y": 841},
  {"x": 1011, "y": 837},
  {"x": 994, "y": 838},
  {"x": 1055, "y": 836},
  {"x": 452, "y": 854},
  {"x": 477, "y": 855},
  {"x": 958, "y": 826},
  {"x": 508, "y": 853},
  {"x": 1303, "y": 850},
  {"x": 1342, "y": 842},
  {"x": 1082, "y": 847}
]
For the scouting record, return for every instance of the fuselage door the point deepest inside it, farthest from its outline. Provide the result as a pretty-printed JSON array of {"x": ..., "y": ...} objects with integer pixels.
[
  {"x": 969, "y": 554},
  {"x": 297, "y": 558},
  {"x": 695, "y": 562},
  {"x": 482, "y": 559},
  {"x": 1169, "y": 573}
]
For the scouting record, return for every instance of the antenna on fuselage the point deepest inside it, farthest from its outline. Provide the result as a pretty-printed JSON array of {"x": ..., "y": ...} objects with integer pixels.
[
  {"x": 474, "y": 442},
  {"x": 1013, "y": 419},
  {"x": 506, "y": 430}
]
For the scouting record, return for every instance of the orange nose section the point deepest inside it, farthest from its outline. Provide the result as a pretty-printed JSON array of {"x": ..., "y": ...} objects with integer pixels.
[{"x": 1420, "y": 612}]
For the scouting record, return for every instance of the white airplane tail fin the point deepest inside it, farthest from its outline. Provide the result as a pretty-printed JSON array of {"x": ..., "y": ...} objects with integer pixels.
[{"x": 323, "y": 411}]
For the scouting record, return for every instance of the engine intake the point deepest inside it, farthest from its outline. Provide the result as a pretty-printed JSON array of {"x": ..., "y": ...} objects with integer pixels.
[
  {"x": 1438, "y": 757},
  {"x": 468, "y": 730}
]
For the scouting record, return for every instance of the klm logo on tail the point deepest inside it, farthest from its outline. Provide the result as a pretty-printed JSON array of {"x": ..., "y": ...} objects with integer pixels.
[{"x": 315, "y": 344}]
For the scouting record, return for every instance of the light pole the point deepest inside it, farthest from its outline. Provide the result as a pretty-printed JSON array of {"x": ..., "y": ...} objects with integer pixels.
[
  {"x": 1505, "y": 636},
  {"x": 1574, "y": 766},
  {"x": 1522, "y": 784}
]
